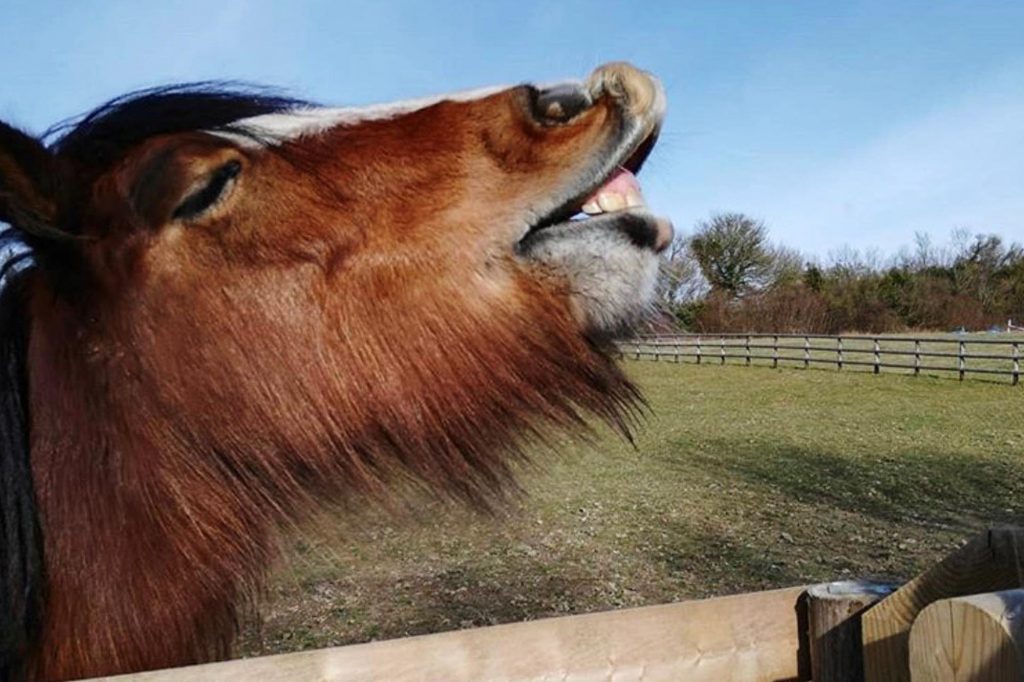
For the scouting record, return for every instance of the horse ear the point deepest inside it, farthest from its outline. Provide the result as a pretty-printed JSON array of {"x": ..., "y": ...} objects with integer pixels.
[{"x": 28, "y": 184}]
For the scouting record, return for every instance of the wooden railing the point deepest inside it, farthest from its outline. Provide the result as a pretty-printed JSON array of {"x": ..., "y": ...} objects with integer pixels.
[
  {"x": 959, "y": 620},
  {"x": 961, "y": 355}
]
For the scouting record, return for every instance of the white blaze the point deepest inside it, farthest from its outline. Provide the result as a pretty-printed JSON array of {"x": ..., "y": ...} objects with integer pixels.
[{"x": 304, "y": 122}]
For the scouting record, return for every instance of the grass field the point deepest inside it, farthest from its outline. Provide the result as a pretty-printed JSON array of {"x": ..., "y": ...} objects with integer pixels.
[{"x": 741, "y": 479}]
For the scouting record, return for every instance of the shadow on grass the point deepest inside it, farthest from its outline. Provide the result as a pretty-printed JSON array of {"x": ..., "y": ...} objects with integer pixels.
[
  {"x": 451, "y": 598},
  {"x": 706, "y": 563},
  {"x": 948, "y": 490},
  {"x": 470, "y": 596}
]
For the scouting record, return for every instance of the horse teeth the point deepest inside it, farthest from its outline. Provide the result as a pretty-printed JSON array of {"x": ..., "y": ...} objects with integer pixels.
[
  {"x": 606, "y": 202},
  {"x": 610, "y": 201}
]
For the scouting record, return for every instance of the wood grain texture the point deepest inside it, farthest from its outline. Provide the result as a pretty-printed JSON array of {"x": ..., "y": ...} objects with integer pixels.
[
  {"x": 990, "y": 562},
  {"x": 750, "y": 638},
  {"x": 970, "y": 639},
  {"x": 834, "y": 620}
]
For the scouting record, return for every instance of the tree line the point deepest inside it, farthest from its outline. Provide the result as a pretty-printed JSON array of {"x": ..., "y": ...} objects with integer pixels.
[{"x": 728, "y": 276}]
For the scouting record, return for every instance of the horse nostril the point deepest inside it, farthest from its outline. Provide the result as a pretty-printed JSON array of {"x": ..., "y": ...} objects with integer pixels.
[
  {"x": 561, "y": 103},
  {"x": 637, "y": 90}
]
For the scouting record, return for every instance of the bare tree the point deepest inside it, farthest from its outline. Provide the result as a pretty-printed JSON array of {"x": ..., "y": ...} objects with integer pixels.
[{"x": 680, "y": 280}]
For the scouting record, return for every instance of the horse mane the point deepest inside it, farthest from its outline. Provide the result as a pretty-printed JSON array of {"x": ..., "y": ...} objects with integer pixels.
[{"x": 21, "y": 560}]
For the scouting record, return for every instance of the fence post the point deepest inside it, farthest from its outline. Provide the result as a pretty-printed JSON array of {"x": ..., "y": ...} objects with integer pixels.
[
  {"x": 834, "y": 612},
  {"x": 978, "y": 637},
  {"x": 698, "y": 349},
  {"x": 721, "y": 340},
  {"x": 1016, "y": 363},
  {"x": 878, "y": 358},
  {"x": 839, "y": 352},
  {"x": 807, "y": 352},
  {"x": 962, "y": 360},
  {"x": 748, "y": 350},
  {"x": 775, "y": 351},
  {"x": 917, "y": 357},
  {"x": 675, "y": 350},
  {"x": 637, "y": 344}
]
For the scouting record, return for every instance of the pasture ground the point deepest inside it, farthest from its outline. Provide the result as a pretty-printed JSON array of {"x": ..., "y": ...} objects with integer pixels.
[{"x": 742, "y": 479}]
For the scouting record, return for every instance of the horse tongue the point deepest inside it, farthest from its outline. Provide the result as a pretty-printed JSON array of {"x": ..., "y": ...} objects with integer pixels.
[{"x": 620, "y": 191}]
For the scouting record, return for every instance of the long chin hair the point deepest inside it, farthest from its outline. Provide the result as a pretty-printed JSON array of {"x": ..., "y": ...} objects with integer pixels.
[
  {"x": 240, "y": 423},
  {"x": 450, "y": 395}
]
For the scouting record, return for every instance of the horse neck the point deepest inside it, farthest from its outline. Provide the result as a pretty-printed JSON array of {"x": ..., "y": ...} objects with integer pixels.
[{"x": 144, "y": 550}]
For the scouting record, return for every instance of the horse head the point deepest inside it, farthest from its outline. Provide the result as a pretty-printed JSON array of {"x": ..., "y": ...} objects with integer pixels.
[{"x": 242, "y": 306}]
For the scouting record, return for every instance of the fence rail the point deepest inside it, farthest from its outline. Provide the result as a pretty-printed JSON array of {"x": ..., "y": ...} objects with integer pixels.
[{"x": 909, "y": 354}]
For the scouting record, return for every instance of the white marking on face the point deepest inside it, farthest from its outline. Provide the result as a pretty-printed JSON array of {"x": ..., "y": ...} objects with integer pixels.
[
  {"x": 290, "y": 125},
  {"x": 304, "y": 122}
]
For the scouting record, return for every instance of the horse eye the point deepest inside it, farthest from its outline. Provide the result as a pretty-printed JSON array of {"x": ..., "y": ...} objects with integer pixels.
[{"x": 200, "y": 201}]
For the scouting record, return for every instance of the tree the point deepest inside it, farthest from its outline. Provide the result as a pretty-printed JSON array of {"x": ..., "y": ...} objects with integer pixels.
[
  {"x": 681, "y": 287},
  {"x": 732, "y": 251},
  {"x": 680, "y": 279}
]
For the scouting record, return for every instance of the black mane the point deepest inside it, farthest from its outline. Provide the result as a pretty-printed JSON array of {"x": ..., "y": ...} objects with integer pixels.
[
  {"x": 107, "y": 132},
  {"x": 21, "y": 563}
]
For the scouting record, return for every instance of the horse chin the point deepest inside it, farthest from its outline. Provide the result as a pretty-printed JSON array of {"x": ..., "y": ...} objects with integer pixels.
[{"x": 610, "y": 263}]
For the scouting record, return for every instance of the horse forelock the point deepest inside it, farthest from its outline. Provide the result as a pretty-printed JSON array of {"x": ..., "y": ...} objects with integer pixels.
[{"x": 106, "y": 133}]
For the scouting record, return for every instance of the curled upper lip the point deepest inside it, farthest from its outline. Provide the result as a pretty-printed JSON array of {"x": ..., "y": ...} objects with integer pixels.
[
  {"x": 632, "y": 161},
  {"x": 640, "y": 100}
]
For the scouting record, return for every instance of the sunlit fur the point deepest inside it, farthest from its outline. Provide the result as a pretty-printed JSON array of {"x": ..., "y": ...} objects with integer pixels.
[{"x": 355, "y": 310}]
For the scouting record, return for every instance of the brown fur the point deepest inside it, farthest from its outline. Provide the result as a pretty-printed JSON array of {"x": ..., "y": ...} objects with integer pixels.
[{"x": 351, "y": 313}]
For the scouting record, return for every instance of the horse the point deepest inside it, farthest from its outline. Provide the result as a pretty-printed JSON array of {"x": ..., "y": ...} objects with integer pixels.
[{"x": 226, "y": 309}]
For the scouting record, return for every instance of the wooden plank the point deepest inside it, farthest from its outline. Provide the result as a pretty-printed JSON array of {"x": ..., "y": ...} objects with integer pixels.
[
  {"x": 990, "y": 562},
  {"x": 743, "y": 638},
  {"x": 970, "y": 639}
]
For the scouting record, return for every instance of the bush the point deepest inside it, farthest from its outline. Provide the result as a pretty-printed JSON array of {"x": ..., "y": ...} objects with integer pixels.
[{"x": 750, "y": 285}]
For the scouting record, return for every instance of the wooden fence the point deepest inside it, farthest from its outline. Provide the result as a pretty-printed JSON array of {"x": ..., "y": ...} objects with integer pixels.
[
  {"x": 961, "y": 620},
  {"x": 964, "y": 355}
]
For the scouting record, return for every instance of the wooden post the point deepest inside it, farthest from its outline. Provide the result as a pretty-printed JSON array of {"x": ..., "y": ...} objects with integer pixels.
[
  {"x": 839, "y": 352},
  {"x": 722, "y": 341},
  {"x": 748, "y": 350},
  {"x": 1016, "y": 363},
  {"x": 990, "y": 562},
  {"x": 775, "y": 351},
  {"x": 878, "y": 359},
  {"x": 962, "y": 360},
  {"x": 637, "y": 342},
  {"x": 807, "y": 352},
  {"x": 917, "y": 357},
  {"x": 675, "y": 350},
  {"x": 834, "y": 628},
  {"x": 970, "y": 639},
  {"x": 698, "y": 349}
]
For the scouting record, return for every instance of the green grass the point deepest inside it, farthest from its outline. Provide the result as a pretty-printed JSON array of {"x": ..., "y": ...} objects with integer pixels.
[{"x": 741, "y": 479}]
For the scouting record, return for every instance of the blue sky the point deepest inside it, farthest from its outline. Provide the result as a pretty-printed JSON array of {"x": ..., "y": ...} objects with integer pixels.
[{"x": 838, "y": 123}]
